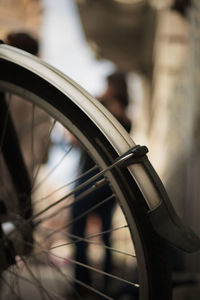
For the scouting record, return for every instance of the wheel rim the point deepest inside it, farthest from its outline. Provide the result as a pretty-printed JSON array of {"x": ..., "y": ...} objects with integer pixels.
[{"x": 47, "y": 237}]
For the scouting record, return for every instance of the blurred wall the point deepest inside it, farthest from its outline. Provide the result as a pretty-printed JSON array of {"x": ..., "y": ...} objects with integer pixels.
[
  {"x": 19, "y": 15},
  {"x": 175, "y": 114}
]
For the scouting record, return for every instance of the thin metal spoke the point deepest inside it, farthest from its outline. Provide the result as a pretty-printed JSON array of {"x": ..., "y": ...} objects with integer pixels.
[
  {"x": 101, "y": 272},
  {"x": 87, "y": 240},
  {"x": 63, "y": 227},
  {"x": 106, "y": 231},
  {"x": 92, "y": 289},
  {"x": 80, "y": 282},
  {"x": 81, "y": 186},
  {"x": 27, "y": 125},
  {"x": 65, "y": 185},
  {"x": 69, "y": 223},
  {"x": 83, "y": 284},
  {"x": 43, "y": 291},
  {"x": 81, "y": 216},
  {"x": 10, "y": 287},
  {"x": 69, "y": 205},
  {"x": 16, "y": 284},
  {"x": 88, "y": 287},
  {"x": 86, "y": 183},
  {"x": 97, "y": 270},
  {"x": 66, "y": 277},
  {"x": 77, "y": 189},
  {"x": 34, "y": 284},
  {"x": 72, "y": 278},
  {"x": 45, "y": 153},
  {"x": 83, "y": 194},
  {"x": 79, "y": 239},
  {"x": 36, "y": 265},
  {"x": 52, "y": 170}
]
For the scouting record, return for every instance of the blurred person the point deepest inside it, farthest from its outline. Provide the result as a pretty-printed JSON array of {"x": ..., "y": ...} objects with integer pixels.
[
  {"x": 22, "y": 111},
  {"x": 24, "y": 41},
  {"x": 115, "y": 99}
]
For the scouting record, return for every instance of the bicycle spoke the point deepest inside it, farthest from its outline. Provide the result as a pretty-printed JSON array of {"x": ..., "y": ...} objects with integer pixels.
[
  {"x": 42, "y": 290},
  {"x": 66, "y": 277},
  {"x": 69, "y": 205},
  {"x": 92, "y": 289},
  {"x": 34, "y": 283},
  {"x": 93, "y": 178},
  {"x": 73, "y": 279},
  {"x": 78, "y": 281},
  {"x": 52, "y": 170},
  {"x": 95, "y": 269},
  {"x": 102, "y": 272},
  {"x": 70, "y": 194},
  {"x": 80, "y": 216},
  {"x": 64, "y": 186},
  {"x": 10, "y": 287},
  {"x": 87, "y": 182},
  {"x": 44, "y": 153},
  {"x": 88, "y": 241}
]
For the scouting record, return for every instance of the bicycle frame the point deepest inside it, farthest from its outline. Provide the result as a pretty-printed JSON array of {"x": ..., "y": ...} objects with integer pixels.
[{"x": 14, "y": 161}]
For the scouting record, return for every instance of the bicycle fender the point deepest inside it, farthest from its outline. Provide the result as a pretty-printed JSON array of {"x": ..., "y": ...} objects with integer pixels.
[
  {"x": 165, "y": 220},
  {"x": 170, "y": 227},
  {"x": 163, "y": 217}
]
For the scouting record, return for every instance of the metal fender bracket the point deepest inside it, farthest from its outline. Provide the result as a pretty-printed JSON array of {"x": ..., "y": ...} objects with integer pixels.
[{"x": 132, "y": 156}]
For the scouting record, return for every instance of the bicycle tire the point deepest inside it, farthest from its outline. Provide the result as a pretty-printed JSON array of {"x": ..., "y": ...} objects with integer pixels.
[{"x": 106, "y": 140}]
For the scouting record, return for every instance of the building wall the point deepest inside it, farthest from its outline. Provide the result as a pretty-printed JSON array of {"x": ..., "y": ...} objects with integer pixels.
[
  {"x": 19, "y": 15},
  {"x": 174, "y": 126}
]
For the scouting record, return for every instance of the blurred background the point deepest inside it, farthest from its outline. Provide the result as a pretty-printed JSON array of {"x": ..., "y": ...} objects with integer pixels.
[{"x": 157, "y": 44}]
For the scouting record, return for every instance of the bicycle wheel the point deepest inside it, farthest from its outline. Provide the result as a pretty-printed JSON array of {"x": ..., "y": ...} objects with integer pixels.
[{"x": 44, "y": 114}]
